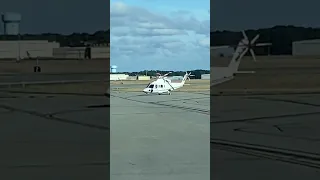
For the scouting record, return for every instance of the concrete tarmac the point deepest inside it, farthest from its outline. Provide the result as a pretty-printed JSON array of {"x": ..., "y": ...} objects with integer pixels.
[
  {"x": 35, "y": 77},
  {"x": 53, "y": 137},
  {"x": 126, "y": 86},
  {"x": 160, "y": 136},
  {"x": 265, "y": 137}
]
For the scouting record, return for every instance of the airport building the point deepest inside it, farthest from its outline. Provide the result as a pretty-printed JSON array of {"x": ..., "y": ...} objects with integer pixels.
[
  {"x": 143, "y": 78},
  {"x": 27, "y": 49},
  {"x": 21, "y": 49},
  {"x": 306, "y": 48},
  {"x": 175, "y": 78},
  {"x": 117, "y": 77},
  {"x": 78, "y": 52},
  {"x": 205, "y": 76},
  {"x": 44, "y": 49}
]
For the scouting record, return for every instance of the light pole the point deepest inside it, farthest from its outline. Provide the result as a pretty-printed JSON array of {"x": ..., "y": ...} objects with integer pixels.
[{"x": 19, "y": 38}]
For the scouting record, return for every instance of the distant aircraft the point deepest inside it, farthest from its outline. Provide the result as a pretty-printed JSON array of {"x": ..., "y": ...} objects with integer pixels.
[
  {"x": 164, "y": 85},
  {"x": 223, "y": 74}
]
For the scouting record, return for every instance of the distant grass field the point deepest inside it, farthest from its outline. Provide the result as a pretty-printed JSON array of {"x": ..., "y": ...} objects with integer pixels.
[
  {"x": 271, "y": 75},
  {"x": 91, "y": 88},
  {"x": 192, "y": 85},
  {"x": 56, "y": 66},
  {"x": 274, "y": 73},
  {"x": 297, "y": 80},
  {"x": 193, "y": 81},
  {"x": 270, "y": 62}
]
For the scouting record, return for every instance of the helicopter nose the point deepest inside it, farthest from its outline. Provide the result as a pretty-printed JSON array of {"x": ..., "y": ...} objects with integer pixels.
[{"x": 145, "y": 90}]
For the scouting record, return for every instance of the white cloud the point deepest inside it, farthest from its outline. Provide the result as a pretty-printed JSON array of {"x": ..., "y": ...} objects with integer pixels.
[
  {"x": 142, "y": 39},
  {"x": 205, "y": 42}
]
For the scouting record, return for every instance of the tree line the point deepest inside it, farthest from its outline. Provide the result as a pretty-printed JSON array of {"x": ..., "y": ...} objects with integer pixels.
[
  {"x": 281, "y": 38},
  {"x": 72, "y": 40}
]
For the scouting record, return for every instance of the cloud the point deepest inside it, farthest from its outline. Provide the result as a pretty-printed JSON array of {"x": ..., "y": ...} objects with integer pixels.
[
  {"x": 205, "y": 42},
  {"x": 145, "y": 39}
]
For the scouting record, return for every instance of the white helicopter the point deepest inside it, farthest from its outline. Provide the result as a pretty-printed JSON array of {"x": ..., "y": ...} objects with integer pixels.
[
  {"x": 223, "y": 74},
  {"x": 163, "y": 85}
]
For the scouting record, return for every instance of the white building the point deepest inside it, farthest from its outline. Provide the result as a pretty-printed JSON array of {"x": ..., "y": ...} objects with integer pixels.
[
  {"x": 45, "y": 49},
  {"x": 25, "y": 49},
  {"x": 78, "y": 52},
  {"x": 174, "y": 78},
  {"x": 306, "y": 48},
  {"x": 117, "y": 77},
  {"x": 143, "y": 78},
  {"x": 205, "y": 76}
]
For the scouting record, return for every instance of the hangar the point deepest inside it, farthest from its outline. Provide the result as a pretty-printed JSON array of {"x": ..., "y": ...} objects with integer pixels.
[{"x": 306, "y": 48}]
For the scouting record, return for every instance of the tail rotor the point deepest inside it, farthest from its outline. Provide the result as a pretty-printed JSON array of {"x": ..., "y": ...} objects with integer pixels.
[
  {"x": 188, "y": 76},
  {"x": 249, "y": 44}
]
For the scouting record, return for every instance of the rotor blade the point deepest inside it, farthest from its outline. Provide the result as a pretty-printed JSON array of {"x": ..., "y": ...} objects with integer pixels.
[
  {"x": 263, "y": 44},
  {"x": 244, "y": 35},
  {"x": 253, "y": 55},
  {"x": 167, "y": 74},
  {"x": 255, "y": 39},
  {"x": 219, "y": 47},
  {"x": 244, "y": 53},
  {"x": 244, "y": 42}
]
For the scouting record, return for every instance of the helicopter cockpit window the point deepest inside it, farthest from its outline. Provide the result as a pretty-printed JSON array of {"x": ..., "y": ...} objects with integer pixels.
[{"x": 151, "y": 86}]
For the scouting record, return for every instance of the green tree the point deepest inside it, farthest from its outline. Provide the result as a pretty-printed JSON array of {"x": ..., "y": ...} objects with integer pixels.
[{"x": 281, "y": 38}]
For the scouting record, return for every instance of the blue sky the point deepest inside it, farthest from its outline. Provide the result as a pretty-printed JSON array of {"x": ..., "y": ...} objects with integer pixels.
[
  {"x": 252, "y": 14},
  {"x": 160, "y": 34}
]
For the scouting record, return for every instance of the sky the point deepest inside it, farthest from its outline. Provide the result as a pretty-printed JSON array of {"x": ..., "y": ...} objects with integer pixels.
[
  {"x": 59, "y": 16},
  {"x": 254, "y": 14},
  {"x": 160, "y": 34}
]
